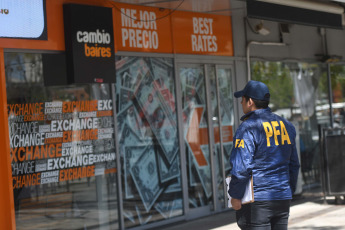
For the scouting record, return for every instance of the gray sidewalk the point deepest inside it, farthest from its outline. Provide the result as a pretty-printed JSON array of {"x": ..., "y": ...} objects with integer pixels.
[{"x": 306, "y": 213}]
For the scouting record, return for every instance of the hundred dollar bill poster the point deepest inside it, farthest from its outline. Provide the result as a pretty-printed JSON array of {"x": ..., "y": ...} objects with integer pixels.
[{"x": 149, "y": 147}]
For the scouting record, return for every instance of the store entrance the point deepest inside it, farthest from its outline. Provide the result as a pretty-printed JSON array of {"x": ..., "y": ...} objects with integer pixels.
[{"x": 208, "y": 117}]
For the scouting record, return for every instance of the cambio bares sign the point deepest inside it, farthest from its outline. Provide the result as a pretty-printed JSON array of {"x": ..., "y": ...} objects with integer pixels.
[{"x": 89, "y": 44}]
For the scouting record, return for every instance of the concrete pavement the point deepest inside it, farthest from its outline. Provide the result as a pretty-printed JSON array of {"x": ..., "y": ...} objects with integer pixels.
[
  {"x": 318, "y": 214},
  {"x": 306, "y": 213}
]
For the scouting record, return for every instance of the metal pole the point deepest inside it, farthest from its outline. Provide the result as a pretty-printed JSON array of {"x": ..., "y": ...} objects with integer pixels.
[
  {"x": 118, "y": 163},
  {"x": 221, "y": 152},
  {"x": 210, "y": 136},
  {"x": 330, "y": 95},
  {"x": 182, "y": 144}
]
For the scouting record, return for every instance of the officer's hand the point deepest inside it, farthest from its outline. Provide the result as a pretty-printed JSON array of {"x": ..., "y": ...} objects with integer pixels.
[{"x": 236, "y": 204}]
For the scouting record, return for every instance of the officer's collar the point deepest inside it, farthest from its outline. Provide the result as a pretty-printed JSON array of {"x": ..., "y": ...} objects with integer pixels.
[{"x": 258, "y": 111}]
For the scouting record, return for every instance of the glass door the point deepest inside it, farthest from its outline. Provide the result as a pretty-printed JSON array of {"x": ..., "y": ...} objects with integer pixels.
[
  {"x": 148, "y": 140},
  {"x": 222, "y": 112},
  {"x": 196, "y": 136},
  {"x": 206, "y": 99}
]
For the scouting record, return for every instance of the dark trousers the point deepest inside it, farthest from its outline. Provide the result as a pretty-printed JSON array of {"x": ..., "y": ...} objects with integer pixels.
[{"x": 264, "y": 215}]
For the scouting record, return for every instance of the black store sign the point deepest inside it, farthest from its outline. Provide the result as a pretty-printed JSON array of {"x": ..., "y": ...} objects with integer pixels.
[{"x": 89, "y": 42}]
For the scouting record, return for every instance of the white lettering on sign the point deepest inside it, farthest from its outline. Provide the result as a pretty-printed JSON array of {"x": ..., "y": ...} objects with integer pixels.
[
  {"x": 74, "y": 124},
  {"x": 139, "y": 30},
  {"x": 105, "y": 104},
  {"x": 93, "y": 37},
  {"x": 203, "y": 39}
]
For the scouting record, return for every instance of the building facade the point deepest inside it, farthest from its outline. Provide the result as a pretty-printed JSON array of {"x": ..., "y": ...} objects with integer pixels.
[{"x": 121, "y": 116}]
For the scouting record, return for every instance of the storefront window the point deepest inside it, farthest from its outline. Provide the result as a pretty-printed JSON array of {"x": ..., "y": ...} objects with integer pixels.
[
  {"x": 148, "y": 137},
  {"x": 222, "y": 120},
  {"x": 299, "y": 92},
  {"x": 338, "y": 94},
  {"x": 62, "y": 149},
  {"x": 226, "y": 112},
  {"x": 196, "y": 136}
]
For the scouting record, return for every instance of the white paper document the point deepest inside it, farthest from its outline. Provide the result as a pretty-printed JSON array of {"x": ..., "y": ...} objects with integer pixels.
[{"x": 248, "y": 196}]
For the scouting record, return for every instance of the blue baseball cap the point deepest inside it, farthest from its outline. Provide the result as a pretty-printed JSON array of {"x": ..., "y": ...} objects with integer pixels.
[{"x": 256, "y": 90}]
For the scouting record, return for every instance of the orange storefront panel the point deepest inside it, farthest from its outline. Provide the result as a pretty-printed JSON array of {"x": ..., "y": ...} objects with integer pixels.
[
  {"x": 142, "y": 29},
  {"x": 55, "y": 27},
  {"x": 196, "y": 33}
]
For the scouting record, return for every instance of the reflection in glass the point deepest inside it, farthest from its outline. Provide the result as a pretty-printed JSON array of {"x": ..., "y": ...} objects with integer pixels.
[
  {"x": 299, "y": 92},
  {"x": 62, "y": 150},
  {"x": 196, "y": 136},
  {"x": 227, "y": 113},
  {"x": 23, "y": 68},
  {"x": 149, "y": 148},
  {"x": 225, "y": 121},
  {"x": 338, "y": 88}
]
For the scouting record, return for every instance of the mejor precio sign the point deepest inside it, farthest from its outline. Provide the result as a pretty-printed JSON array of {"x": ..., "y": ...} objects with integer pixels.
[
  {"x": 149, "y": 29},
  {"x": 89, "y": 44},
  {"x": 142, "y": 29}
]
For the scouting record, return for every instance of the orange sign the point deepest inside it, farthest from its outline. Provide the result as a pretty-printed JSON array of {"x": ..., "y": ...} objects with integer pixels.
[
  {"x": 142, "y": 29},
  {"x": 196, "y": 33},
  {"x": 197, "y": 136}
]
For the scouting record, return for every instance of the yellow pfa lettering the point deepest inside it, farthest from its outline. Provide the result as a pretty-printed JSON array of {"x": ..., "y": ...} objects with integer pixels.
[
  {"x": 239, "y": 143},
  {"x": 269, "y": 131},
  {"x": 276, "y": 129},
  {"x": 285, "y": 136}
]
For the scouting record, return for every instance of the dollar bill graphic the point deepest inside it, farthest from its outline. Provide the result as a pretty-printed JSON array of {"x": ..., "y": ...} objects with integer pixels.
[
  {"x": 135, "y": 122},
  {"x": 226, "y": 108},
  {"x": 161, "y": 67},
  {"x": 131, "y": 155},
  {"x": 176, "y": 207},
  {"x": 157, "y": 115},
  {"x": 130, "y": 116},
  {"x": 226, "y": 96},
  {"x": 164, "y": 208},
  {"x": 146, "y": 179},
  {"x": 121, "y": 120},
  {"x": 162, "y": 70},
  {"x": 202, "y": 172},
  {"x": 192, "y": 81},
  {"x": 128, "y": 119},
  {"x": 131, "y": 71},
  {"x": 168, "y": 172},
  {"x": 193, "y": 85},
  {"x": 125, "y": 97},
  {"x": 128, "y": 137},
  {"x": 170, "y": 208},
  {"x": 176, "y": 186}
]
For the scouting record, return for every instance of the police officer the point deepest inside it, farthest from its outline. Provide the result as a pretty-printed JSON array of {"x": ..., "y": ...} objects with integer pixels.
[{"x": 265, "y": 149}]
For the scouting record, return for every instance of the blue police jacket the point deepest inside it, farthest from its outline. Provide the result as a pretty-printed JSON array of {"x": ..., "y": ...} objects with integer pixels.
[{"x": 264, "y": 147}]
